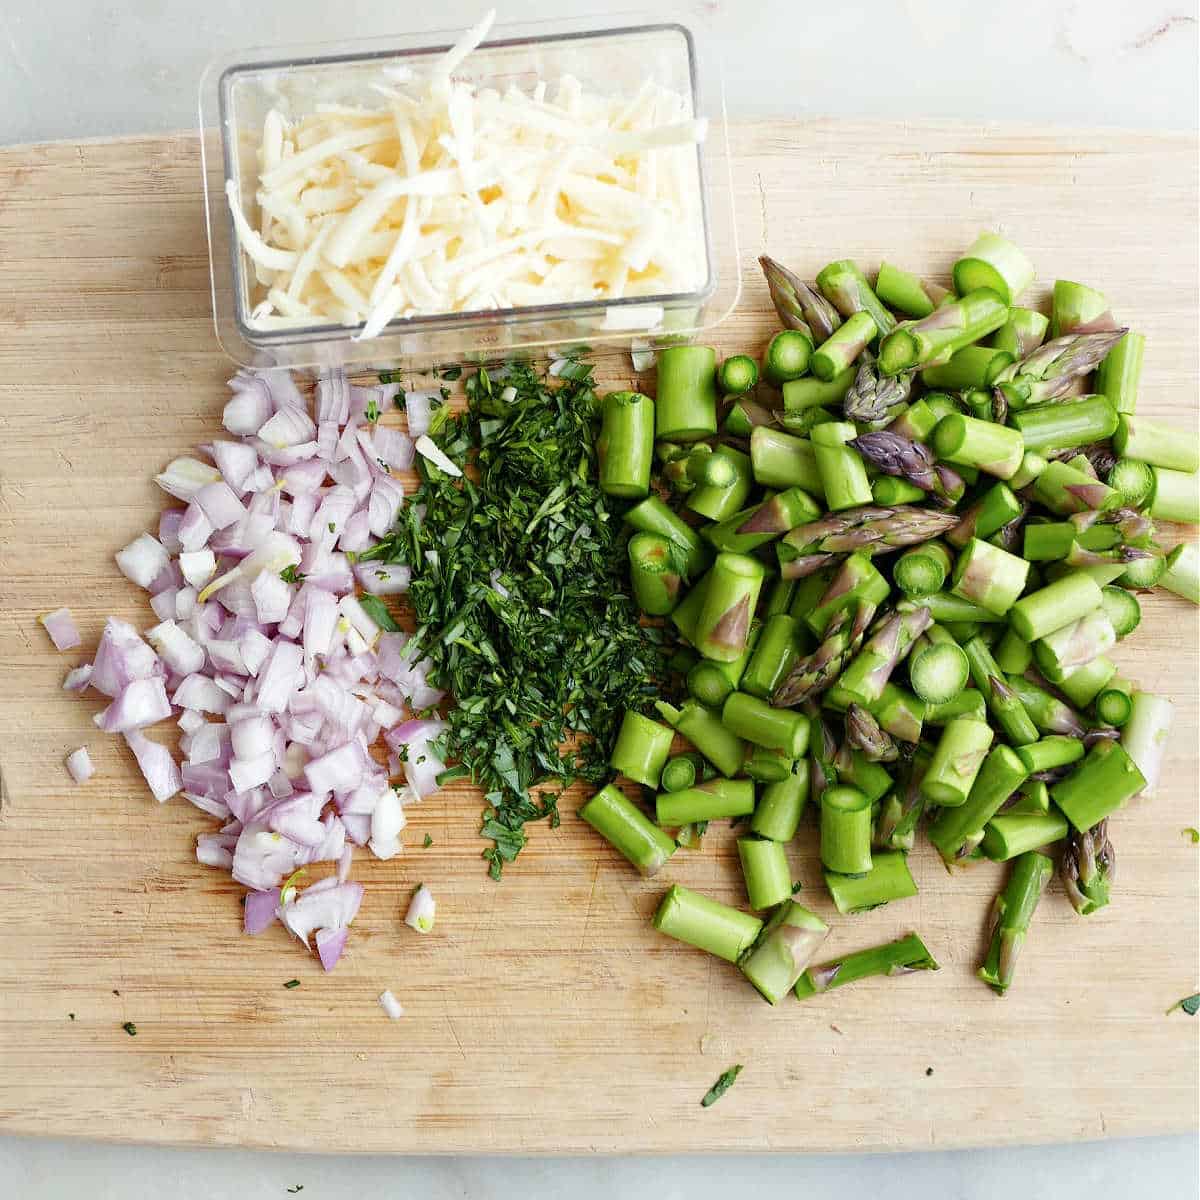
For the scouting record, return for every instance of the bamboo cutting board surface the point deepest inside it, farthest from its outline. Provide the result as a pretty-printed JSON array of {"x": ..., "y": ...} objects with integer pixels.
[{"x": 543, "y": 1014}]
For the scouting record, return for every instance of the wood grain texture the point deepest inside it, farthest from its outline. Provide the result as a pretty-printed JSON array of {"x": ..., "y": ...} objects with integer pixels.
[{"x": 544, "y": 1014}]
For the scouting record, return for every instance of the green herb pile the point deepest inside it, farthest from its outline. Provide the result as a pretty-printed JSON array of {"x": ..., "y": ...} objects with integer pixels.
[{"x": 520, "y": 596}]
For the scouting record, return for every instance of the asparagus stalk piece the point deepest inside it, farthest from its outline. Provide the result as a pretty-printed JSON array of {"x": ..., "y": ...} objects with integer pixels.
[
  {"x": 746, "y": 415},
  {"x": 780, "y": 806},
  {"x": 1175, "y": 497},
  {"x": 1054, "y": 750},
  {"x": 706, "y": 924},
  {"x": 723, "y": 625},
  {"x": 946, "y": 330},
  {"x": 686, "y": 405},
  {"x": 1064, "y": 426},
  {"x": 1076, "y": 308},
  {"x": 1088, "y": 867},
  {"x": 901, "y": 957},
  {"x": 869, "y": 527},
  {"x": 1032, "y": 799},
  {"x": 766, "y": 872},
  {"x": 641, "y": 749},
  {"x": 956, "y": 761},
  {"x": 1009, "y": 835},
  {"x": 1156, "y": 444},
  {"x": 681, "y": 772},
  {"x": 847, "y": 289},
  {"x": 1121, "y": 371},
  {"x": 888, "y": 879},
  {"x": 721, "y": 495},
  {"x": 1066, "y": 489},
  {"x": 989, "y": 576},
  {"x": 799, "y": 306},
  {"x": 843, "y": 476},
  {"x": 957, "y": 832},
  {"x": 768, "y": 766},
  {"x": 816, "y": 672},
  {"x": 787, "y": 356},
  {"x": 856, "y": 579},
  {"x": 972, "y": 367},
  {"x": 1133, "y": 480},
  {"x": 761, "y": 724},
  {"x": 1049, "y": 372},
  {"x": 904, "y": 291},
  {"x": 1145, "y": 737},
  {"x": 913, "y": 461},
  {"x": 776, "y": 651},
  {"x": 873, "y": 397},
  {"x": 922, "y": 569},
  {"x": 890, "y": 489},
  {"x": 738, "y": 374},
  {"x": 937, "y": 667},
  {"x": 1014, "y": 911},
  {"x": 1182, "y": 575},
  {"x": 801, "y": 395},
  {"x": 654, "y": 572},
  {"x": 995, "y": 509},
  {"x": 784, "y": 949},
  {"x": 900, "y": 713},
  {"x": 1058, "y": 604},
  {"x": 705, "y": 802},
  {"x": 1075, "y": 645},
  {"x": 843, "y": 346},
  {"x": 969, "y": 704},
  {"x": 709, "y": 684},
  {"x": 763, "y": 522},
  {"x": 704, "y": 730},
  {"x": 865, "y": 678},
  {"x": 628, "y": 830},
  {"x": 780, "y": 597},
  {"x": 1032, "y": 465},
  {"x": 856, "y": 769},
  {"x": 1048, "y": 713},
  {"x": 994, "y": 449},
  {"x": 949, "y": 610},
  {"x": 917, "y": 421},
  {"x": 1022, "y": 333},
  {"x": 993, "y": 262},
  {"x": 780, "y": 460},
  {"x": 1098, "y": 786},
  {"x": 625, "y": 445},
  {"x": 653, "y": 516}
]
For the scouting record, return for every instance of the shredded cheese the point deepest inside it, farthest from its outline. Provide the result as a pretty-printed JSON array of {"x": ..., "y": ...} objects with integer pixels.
[{"x": 453, "y": 196}]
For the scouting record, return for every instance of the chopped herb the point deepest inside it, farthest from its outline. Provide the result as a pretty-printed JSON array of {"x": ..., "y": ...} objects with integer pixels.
[
  {"x": 928, "y": 1072},
  {"x": 541, "y": 674},
  {"x": 452, "y": 373},
  {"x": 377, "y": 611},
  {"x": 1189, "y": 1004},
  {"x": 372, "y": 411},
  {"x": 1194, "y": 834},
  {"x": 723, "y": 1084},
  {"x": 71, "y": 1015},
  {"x": 332, "y": 527},
  {"x": 796, "y": 887},
  {"x": 291, "y": 575},
  {"x": 130, "y": 1028},
  {"x": 428, "y": 841},
  {"x": 389, "y": 376},
  {"x": 292, "y": 983}
]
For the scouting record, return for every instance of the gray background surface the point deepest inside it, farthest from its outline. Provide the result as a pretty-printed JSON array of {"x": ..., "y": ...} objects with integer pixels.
[{"x": 92, "y": 68}]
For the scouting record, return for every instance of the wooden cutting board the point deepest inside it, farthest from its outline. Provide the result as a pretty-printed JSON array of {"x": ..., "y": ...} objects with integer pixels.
[{"x": 543, "y": 1014}]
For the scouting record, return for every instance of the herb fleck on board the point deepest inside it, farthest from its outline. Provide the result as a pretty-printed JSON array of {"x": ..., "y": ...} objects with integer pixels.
[{"x": 723, "y": 1084}]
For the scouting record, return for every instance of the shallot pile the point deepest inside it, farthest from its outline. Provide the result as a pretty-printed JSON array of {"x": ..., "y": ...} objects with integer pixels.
[{"x": 279, "y": 677}]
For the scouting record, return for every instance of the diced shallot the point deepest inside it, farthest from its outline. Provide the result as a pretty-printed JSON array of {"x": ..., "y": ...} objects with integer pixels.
[
  {"x": 79, "y": 764},
  {"x": 60, "y": 625}
]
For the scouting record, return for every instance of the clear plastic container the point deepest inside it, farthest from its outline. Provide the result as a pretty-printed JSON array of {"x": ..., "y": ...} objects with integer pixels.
[{"x": 608, "y": 57}]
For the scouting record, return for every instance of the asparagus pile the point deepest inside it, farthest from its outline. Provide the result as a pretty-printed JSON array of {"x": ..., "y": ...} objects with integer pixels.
[{"x": 896, "y": 564}]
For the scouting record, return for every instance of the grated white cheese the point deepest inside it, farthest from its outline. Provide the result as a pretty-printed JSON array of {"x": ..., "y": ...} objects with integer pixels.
[{"x": 454, "y": 196}]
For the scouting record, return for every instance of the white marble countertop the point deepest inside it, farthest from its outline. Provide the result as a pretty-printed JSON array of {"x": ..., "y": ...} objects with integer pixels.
[{"x": 93, "y": 68}]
